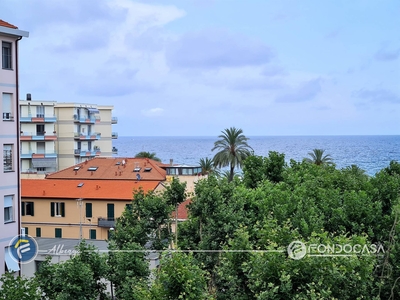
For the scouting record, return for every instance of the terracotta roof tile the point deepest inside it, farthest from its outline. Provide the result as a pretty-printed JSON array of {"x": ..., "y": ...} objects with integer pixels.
[
  {"x": 91, "y": 189},
  {"x": 6, "y": 24},
  {"x": 113, "y": 168},
  {"x": 182, "y": 210}
]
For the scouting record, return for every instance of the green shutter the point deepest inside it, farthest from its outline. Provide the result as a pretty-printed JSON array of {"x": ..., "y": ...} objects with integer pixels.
[
  {"x": 52, "y": 209},
  {"x": 62, "y": 209},
  {"x": 110, "y": 211},
  {"x": 88, "y": 210},
  {"x": 22, "y": 208},
  {"x": 26, "y": 230},
  {"x": 58, "y": 232},
  {"x": 33, "y": 205},
  {"x": 93, "y": 234},
  {"x": 38, "y": 232}
]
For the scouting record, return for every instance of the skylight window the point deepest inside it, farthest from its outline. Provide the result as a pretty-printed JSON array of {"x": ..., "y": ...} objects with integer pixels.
[
  {"x": 92, "y": 168},
  {"x": 147, "y": 169},
  {"x": 77, "y": 168},
  {"x": 118, "y": 163},
  {"x": 137, "y": 169}
]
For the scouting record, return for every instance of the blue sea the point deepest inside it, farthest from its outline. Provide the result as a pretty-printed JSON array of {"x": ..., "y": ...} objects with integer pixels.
[{"x": 371, "y": 153}]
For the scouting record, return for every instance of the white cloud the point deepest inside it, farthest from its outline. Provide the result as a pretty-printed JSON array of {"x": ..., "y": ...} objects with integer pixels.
[{"x": 153, "y": 112}]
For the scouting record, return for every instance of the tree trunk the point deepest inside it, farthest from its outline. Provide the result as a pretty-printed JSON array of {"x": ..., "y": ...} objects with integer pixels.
[
  {"x": 231, "y": 173},
  {"x": 176, "y": 226}
]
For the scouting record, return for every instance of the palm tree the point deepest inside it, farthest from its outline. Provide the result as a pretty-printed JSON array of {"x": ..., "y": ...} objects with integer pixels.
[
  {"x": 207, "y": 166},
  {"x": 317, "y": 157},
  {"x": 233, "y": 150},
  {"x": 144, "y": 154}
]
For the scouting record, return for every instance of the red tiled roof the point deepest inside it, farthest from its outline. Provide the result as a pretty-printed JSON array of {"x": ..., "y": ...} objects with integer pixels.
[
  {"x": 107, "y": 168},
  {"x": 182, "y": 210},
  {"x": 6, "y": 24},
  {"x": 91, "y": 189}
]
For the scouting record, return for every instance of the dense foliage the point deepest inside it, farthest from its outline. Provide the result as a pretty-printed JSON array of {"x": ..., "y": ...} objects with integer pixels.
[{"x": 234, "y": 244}]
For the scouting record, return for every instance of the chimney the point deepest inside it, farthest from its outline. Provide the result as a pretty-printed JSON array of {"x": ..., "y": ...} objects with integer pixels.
[
  {"x": 171, "y": 162},
  {"x": 97, "y": 186},
  {"x": 116, "y": 173},
  {"x": 44, "y": 192},
  {"x": 28, "y": 97},
  {"x": 120, "y": 173},
  {"x": 91, "y": 173}
]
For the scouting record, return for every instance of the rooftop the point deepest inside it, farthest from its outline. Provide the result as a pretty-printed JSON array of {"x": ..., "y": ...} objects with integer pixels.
[
  {"x": 6, "y": 24},
  {"x": 113, "y": 168},
  {"x": 91, "y": 189}
]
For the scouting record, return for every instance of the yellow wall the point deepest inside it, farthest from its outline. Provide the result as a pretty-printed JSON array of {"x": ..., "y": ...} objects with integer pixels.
[{"x": 69, "y": 224}]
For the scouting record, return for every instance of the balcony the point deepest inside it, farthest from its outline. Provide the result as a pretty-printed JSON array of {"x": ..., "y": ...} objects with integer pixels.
[
  {"x": 114, "y": 120},
  {"x": 104, "y": 222},
  {"x": 114, "y": 135},
  {"x": 38, "y": 154},
  {"x": 38, "y": 118},
  {"x": 86, "y": 119},
  {"x": 91, "y": 136},
  {"x": 37, "y": 136},
  {"x": 89, "y": 152}
]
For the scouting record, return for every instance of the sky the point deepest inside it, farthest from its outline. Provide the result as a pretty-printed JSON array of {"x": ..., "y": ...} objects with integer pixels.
[{"x": 196, "y": 67}]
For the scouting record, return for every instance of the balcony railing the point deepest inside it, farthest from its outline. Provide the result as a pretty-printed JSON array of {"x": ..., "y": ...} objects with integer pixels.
[
  {"x": 114, "y": 120},
  {"x": 38, "y": 118},
  {"x": 89, "y": 136},
  {"x": 89, "y": 152},
  {"x": 37, "y": 136},
  {"x": 106, "y": 222},
  {"x": 114, "y": 135},
  {"x": 114, "y": 150},
  {"x": 38, "y": 154},
  {"x": 85, "y": 119}
]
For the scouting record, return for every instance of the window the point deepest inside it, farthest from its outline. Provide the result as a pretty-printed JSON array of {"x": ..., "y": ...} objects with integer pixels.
[
  {"x": 40, "y": 111},
  {"x": 57, "y": 209},
  {"x": 58, "y": 233},
  {"x": 38, "y": 232},
  {"x": 27, "y": 209},
  {"x": 41, "y": 169},
  {"x": 8, "y": 157},
  {"x": 93, "y": 234},
  {"x": 40, "y": 148},
  {"x": 40, "y": 129},
  {"x": 88, "y": 210},
  {"x": 8, "y": 208},
  {"x": 26, "y": 230},
  {"x": 7, "y": 107},
  {"x": 110, "y": 211},
  {"x": 92, "y": 168},
  {"x": 6, "y": 56}
]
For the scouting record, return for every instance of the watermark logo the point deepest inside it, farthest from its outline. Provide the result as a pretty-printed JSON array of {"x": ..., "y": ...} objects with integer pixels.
[
  {"x": 297, "y": 250},
  {"x": 59, "y": 250},
  {"x": 23, "y": 248}
]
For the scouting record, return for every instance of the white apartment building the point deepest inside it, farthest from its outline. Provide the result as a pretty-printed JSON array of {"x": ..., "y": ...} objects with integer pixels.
[
  {"x": 9, "y": 142},
  {"x": 56, "y": 135}
]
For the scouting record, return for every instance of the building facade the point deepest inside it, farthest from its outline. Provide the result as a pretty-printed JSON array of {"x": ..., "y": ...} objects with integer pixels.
[
  {"x": 55, "y": 136},
  {"x": 84, "y": 200},
  {"x": 9, "y": 137}
]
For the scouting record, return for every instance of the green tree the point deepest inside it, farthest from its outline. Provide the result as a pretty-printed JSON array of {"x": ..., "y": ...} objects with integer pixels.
[
  {"x": 232, "y": 149},
  {"x": 79, "y": 278},
  {"x": 18, "y": 288},
  {"x": 175, "y": 194},
  {"x": 178, "y": 277},
  {"x": 317, "y": 157},
  {"x": 207, "y": 166},
  {"x": 150, "y": 155}
]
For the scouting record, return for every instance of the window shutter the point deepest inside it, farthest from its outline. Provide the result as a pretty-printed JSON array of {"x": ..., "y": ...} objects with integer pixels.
[
  {"x": 110, "y": 211},
  {"x": 62, "y": 209},
  {"x": 38, "y": 232},
  {"x": 33, "y": 205},
  {"x": 52, "y": 209},
  {"x": 23, "y": 209},
  {"x": 88, "y": 210}
]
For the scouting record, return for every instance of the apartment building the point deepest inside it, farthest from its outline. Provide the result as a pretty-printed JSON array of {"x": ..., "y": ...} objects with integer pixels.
[
  {"x": 10, "y": 36},
  {"x": 56, "y": 135},
  {"x": 84, "y": 200}
]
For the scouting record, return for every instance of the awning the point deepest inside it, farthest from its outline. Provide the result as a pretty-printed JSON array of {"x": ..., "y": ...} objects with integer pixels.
[
  {"x": 93, "y": 110},
  {"x": 12, "y": 265},
  {"x": 44, "y": 162}
]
